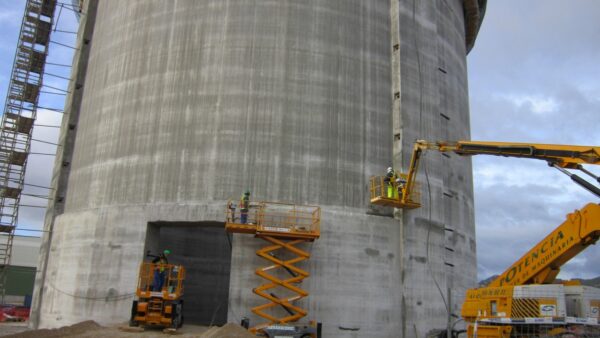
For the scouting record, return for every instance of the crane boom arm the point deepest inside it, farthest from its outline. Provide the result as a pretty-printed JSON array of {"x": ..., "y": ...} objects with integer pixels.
[
  {"x": 565, "y": 156},
  {"x": 557, "y": 155},
  {"x": 542, "y": 263}
]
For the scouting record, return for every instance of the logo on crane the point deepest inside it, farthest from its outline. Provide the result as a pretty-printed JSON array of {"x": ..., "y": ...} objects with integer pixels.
[
  {"x": 538, "y": 257},
  {"x": 548, "y": 309}
]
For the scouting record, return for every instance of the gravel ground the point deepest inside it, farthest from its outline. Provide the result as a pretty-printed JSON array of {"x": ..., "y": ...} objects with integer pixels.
[{"x": 91, "y": 329}]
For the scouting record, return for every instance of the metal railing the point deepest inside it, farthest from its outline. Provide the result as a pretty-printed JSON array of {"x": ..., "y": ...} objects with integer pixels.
[
  {"x": 277, "y": 217},
  {"x": 174, "y": 275},
  {"x": 291, "y": 217},
  {"x": 385, "y": 191}
]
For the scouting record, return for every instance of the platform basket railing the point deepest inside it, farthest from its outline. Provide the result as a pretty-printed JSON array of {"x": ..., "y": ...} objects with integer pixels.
[
  {"x": 289, "y": 217},
  {"x": 173, "y": 283}
]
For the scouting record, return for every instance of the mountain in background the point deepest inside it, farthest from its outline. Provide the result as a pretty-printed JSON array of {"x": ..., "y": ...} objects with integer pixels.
[{"x": 595, "y": 282}]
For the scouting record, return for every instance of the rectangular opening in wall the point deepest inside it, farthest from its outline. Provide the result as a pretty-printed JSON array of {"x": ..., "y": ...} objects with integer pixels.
[{"x": 203, "y": 249}]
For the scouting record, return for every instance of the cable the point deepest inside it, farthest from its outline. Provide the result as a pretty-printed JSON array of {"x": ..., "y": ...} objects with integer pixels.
[
  {"x": 428, "y": 240},
  {"x": 428, "y": 244},
  {"x": 105, "y": 298}
]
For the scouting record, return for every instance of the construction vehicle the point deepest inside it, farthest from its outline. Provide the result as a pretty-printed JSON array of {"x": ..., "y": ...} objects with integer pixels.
[
  {"x": 285, "y": 227},
  {"x": 404, "y": 194},
  {"x": 162, "y": 308},
  {"x": 522, "y": 294}
]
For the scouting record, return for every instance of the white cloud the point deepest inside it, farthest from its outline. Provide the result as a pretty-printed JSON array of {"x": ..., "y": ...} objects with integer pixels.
[
  {"x": 533, "y": 78},
  {"x": 538, "y": 104},
  {"x": 39, "y": 170},
  {"x": 39, "y": 167}
]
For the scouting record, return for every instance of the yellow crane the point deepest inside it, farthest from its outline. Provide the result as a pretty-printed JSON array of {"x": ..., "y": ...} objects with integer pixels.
[
  {"x": 503, "y": 307},
  {"x": 518, "y": 296},
  {"x": 561, "y": 157}
]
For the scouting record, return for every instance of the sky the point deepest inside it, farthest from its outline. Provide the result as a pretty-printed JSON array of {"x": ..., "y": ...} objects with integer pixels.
[
  {"x": 39, "y": 167},
  {"x": 533, "y": 77}
]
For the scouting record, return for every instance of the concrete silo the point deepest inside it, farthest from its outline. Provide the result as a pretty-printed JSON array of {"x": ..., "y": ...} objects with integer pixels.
[{"x": 177, "y": 106}]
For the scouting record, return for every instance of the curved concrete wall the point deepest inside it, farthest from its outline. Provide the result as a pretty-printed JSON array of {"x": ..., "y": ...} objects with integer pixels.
[{"x": 188, "y": 103}]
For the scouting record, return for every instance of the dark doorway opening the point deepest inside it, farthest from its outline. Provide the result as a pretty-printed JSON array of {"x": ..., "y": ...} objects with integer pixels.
[{"x": 204, "y": 250}]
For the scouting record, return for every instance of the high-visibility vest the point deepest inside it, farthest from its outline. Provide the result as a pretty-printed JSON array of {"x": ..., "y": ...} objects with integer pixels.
[{"x": 244, "y": 203}]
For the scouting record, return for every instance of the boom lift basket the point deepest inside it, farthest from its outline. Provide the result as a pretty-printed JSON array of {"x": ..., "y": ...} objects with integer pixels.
[{"x": 388, "y": 193}]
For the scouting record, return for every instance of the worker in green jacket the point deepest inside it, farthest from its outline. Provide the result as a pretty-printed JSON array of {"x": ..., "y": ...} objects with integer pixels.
[{"x": 390, "y": 182}]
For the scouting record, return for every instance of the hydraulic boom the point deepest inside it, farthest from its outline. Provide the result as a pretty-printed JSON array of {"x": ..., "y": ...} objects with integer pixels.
[
  {"x": 561, "y": 157},
  {"x": 542, "y": 263}
]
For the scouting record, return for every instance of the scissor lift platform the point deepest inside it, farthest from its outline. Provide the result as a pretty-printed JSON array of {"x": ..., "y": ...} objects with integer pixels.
[{"x": 277, "y": 220}]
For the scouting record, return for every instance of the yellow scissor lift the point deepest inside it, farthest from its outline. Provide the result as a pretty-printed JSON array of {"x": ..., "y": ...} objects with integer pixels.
[
  {"x": 159, "y": 308},
  {"x": 284, "y": 227}
]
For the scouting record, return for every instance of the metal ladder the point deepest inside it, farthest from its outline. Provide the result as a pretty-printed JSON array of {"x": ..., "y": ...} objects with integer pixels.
[{"x": 17, "y": 121}]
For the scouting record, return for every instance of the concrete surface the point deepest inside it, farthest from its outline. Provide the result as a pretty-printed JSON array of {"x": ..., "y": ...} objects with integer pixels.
[
  {"x": 438, "y": 239},
  {"x": 25, "y": 251},
  {"x": 182, "y": 105}
]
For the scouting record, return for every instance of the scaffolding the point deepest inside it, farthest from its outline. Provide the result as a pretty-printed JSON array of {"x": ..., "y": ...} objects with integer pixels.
[
  {"x": 284, "y": 227},
  {"x": 17, "y": 121}
]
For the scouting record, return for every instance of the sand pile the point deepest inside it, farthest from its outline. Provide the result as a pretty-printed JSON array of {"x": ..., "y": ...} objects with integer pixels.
[
  {"x": 91, "y": 329},
  {"x": 229, "y": 330},
  {"x": 66, "y": 331}
]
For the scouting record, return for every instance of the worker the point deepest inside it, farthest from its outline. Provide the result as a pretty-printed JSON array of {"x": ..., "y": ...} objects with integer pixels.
[
  {"x": 160, "y": 272},
  {"x": 231, "y": 207},
  {"x": 244, "y": 207},
  {"x": 400, "y": 184},
  {"x": 390, "y": 182}
]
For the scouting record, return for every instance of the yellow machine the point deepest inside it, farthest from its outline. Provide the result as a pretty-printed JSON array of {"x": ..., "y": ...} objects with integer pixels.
[
  {"x": 403, "y": 193},
  {"x": 159, "y": 308},
  {"x": 518, "y": 296},
  {"x": 285, "y": 227}
]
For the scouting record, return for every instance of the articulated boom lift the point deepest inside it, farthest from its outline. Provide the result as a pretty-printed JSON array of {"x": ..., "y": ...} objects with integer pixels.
[
  {"x": 284, "y": 227},
  {"x": 517, "y": 304},
  {"x": 516, "y": 297},
  {"x": 542, "y": 263},
  {"x": 404, "y": 195}
]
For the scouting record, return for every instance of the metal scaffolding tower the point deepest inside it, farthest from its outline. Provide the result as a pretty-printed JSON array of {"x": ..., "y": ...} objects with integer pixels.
[{"x": 17, "y": 121}]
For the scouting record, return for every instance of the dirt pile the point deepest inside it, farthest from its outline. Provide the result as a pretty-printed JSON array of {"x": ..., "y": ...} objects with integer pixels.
[
  {"x": 66, "y": 331},
  {"x": 91, "y": 329},
  {"x": 229, "y": 330}
]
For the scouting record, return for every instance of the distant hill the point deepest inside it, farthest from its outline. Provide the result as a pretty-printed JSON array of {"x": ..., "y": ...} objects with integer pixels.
[
  {"x": 487, "y": 281},
  {"x": 595, "y": 282}
]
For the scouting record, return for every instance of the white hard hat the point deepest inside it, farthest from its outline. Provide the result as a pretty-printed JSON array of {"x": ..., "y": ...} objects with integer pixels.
[{"x": 390, "y": 169}]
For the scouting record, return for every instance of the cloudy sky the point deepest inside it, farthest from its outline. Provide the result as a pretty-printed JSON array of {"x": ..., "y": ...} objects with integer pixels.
[
  {"x": 39, "y": 167},
  {"x": 533, "y": 77}
]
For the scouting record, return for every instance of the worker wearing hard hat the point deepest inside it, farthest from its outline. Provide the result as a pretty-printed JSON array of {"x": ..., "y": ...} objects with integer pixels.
[
  {"x": 244, "y": 207},
  {"x": 161, "y": 262},
  {"x": 390, "y": 181}
]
